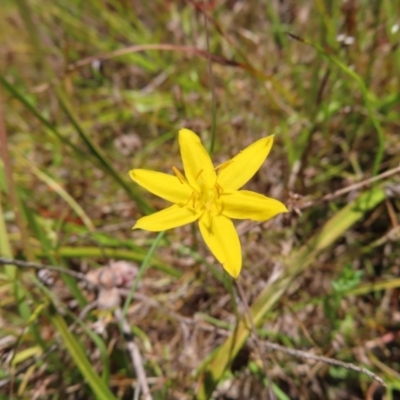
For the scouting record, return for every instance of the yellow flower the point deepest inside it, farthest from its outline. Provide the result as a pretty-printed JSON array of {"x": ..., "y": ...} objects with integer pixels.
[{"x": 210, "y": 195}]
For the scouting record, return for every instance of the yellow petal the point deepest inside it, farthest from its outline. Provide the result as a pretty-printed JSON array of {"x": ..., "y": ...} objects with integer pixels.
[
  {"x": 244, "y": 204},
  {"x": 221, "y": 237},
  {"x": 163, "y": 185},
  {"x": 199, "y": 169},
  {"x": 244, "y": 165},
  {"x": 169, "y": 218}
]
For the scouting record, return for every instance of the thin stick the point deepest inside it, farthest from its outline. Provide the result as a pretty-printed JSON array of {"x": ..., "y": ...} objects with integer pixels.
[
  {"x": 300, "y": 353},
  {"x": 156, "y": 46},
  {"x": 326, "y": 360},
  {"x": 256, "y": 339},
  {"x": 135, "y": 356},
  {"x": 27, "y": 264},
  {"x": 340, "y": 192}
]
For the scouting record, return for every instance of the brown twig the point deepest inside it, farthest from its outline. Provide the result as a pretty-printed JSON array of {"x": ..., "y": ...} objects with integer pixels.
[
  {"x": 135, "y": 356},
  {"x": 145, "y": 47},
  {"x": 347, "y": 189},
  {"x": 326, "y": 360},
  {"x": 40, "y": 267}
]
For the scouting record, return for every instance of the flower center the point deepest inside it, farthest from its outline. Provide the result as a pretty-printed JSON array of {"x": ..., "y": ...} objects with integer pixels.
[
  {"x": 206, "y": 199},
  {"x": 209, "y": 199}
]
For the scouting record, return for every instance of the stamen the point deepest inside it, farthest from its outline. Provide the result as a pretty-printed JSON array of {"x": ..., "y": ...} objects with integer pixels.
[
  {"x": 222, "y": 166},
  {"x": 198, "y": 175},
  {"x": 179, "y": 175},
  {"x": 192, "y": 197},
  {"x": 219, "y": 190}
]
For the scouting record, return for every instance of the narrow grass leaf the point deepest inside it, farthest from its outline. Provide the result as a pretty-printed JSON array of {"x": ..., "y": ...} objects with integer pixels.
[
  {"x": 59, "y": 190},
  {"x": 118, "y": 254},
  {"x": 98, "y": 341},
  {"x": 49, "y": 250},
  {"x": 142, "y": 270},
  {"x": 99, "y": 388}
]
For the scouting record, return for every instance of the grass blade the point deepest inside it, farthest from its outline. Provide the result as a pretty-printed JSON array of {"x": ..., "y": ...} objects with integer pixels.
[
  {"x": 77, "y": 353},
  {"x": 109, "y": 252}
]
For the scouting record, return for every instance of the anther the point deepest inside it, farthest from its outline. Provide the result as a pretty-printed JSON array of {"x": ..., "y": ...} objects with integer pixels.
[
  {"x": 192, "y": 197},
  {"x": 219, "y": 190},
  {"x": 179, "y": 175},
  {"x": 198, "y": 175},
  {"x": 222, "y": 166}
]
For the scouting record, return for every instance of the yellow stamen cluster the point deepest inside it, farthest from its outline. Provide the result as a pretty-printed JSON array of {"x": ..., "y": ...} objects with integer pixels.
[{"x": 207, "y": 197}]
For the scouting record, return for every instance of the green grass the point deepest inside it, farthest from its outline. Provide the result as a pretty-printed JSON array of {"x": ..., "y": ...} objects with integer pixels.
[{"x": 92, "y": 89}]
